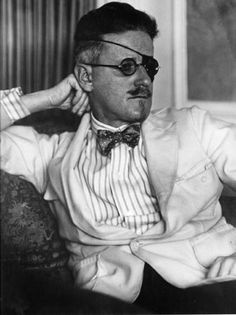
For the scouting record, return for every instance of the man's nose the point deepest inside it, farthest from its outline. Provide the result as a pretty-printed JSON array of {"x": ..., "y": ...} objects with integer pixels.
[{"x": 142, "y": 76}]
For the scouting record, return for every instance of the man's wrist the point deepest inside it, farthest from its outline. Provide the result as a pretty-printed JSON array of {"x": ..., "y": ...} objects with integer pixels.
[{"x": 37, "y": 101}]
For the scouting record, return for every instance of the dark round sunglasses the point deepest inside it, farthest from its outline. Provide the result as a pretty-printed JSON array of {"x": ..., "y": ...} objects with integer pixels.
[{"x": 129, "y": 66}]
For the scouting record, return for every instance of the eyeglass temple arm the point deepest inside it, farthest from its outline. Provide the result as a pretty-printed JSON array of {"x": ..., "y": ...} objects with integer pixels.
[{"x": 102, "y": 65}]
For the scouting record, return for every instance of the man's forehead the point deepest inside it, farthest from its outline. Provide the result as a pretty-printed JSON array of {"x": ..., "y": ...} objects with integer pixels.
[{"x": 132, "y": 41}]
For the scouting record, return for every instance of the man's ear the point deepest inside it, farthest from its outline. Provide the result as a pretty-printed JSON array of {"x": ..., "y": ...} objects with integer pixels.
[{"x": 83, "y": 75}]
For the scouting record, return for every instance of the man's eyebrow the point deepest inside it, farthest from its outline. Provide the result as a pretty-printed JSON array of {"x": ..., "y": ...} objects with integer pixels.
[{"x": 118, "y": 44}]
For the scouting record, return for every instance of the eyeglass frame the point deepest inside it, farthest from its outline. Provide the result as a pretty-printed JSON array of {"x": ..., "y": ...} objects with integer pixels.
[{"x": 145, "y": 59}]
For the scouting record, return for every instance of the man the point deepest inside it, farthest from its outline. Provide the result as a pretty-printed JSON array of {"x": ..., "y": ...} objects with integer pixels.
[{"x": 126, "y": 200}]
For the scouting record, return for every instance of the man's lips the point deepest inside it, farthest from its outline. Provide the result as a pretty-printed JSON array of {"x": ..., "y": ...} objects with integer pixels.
[
  {"x": 139, "y": 93},
  {"x": 140, "y": 96},
  {"x": 144, "y": 95}
]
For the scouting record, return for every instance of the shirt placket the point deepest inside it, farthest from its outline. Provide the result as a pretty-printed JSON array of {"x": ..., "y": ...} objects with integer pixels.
[{"x": 118, "y": 185}]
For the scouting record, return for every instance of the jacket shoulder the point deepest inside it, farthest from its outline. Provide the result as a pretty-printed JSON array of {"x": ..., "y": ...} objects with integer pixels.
[{"x": 171, "y": 113}]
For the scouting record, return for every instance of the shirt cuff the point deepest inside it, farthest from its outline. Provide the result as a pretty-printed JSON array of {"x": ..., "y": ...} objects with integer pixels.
[{"x": 13, "y": 105}]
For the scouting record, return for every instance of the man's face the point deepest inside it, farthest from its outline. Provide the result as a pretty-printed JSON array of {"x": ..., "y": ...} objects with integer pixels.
[{"x": 117, "y": 99}]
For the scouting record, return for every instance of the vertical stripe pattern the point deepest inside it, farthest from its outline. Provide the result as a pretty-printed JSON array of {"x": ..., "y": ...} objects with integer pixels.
[
  {"x": 36, "y": 39},
  {"x": 117, "y": 187}
]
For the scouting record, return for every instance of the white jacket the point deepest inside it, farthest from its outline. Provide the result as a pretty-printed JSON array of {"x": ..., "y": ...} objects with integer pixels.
[{"x": 189, "y": 156}]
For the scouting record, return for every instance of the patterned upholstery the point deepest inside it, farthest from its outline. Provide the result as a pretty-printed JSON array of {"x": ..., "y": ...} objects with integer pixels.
[{"x": 29, "y": 232}]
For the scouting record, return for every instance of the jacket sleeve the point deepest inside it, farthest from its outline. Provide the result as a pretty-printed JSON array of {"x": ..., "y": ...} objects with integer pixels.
[
  {"x": 26, "y": 153},
  {"x": 218, "y": 139},
  {"x": 11, "y": 106}
]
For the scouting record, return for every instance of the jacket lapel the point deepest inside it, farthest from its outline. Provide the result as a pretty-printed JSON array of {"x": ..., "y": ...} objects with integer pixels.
[
  {"x": 161, "y": 147},
  {"x": 79, "y": 211},
  {"x": 160, "y": 143}
]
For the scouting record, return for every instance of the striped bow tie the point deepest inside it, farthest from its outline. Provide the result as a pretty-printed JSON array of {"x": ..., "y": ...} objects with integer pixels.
[{"x": 108, "y": 139}]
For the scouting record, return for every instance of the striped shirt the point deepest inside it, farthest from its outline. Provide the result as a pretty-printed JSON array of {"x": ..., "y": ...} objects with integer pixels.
[
  {"x": 117, "y": 186},
  {"x": 10, "y": 102}
]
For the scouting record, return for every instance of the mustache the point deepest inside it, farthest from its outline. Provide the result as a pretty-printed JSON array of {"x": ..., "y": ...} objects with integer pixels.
[{"x": 140, "y": 91}]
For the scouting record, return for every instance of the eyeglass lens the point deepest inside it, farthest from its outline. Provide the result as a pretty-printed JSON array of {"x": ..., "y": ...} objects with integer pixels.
[{"x": 129, "y": 66}]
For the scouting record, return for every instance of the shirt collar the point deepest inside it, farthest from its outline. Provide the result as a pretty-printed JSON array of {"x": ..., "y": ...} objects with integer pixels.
[{"x": 96, "y": 125}]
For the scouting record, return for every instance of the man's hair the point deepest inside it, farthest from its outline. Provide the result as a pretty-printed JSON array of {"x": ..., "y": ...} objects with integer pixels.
[{"x": 113, "y": 17}]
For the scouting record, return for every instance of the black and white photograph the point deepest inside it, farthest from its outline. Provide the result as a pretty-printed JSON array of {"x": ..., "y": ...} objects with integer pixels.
[{"x": 118, "y": 157}]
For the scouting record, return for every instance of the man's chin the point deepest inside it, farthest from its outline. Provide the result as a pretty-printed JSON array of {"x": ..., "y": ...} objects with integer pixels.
[
  {"x": 143, "y": 110},
  {"x": 139, "y": 116}
]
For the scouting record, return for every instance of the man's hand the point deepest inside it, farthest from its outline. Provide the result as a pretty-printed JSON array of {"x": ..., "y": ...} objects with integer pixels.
[
  {"x": 65, "y": 95},
  {"x": 223, "y": 266},
  {"x": 68, "y": 95}
]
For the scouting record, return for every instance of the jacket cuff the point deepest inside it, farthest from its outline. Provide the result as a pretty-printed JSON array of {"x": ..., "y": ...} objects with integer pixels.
[{"x": 11, "y": 103}]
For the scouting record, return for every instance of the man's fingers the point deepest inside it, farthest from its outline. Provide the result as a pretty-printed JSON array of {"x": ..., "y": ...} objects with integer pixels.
[
  {"x": 223, "y": 266},
  {"x": 233, "y": 269},
  {"x": 69, "y": 95},
  {"x": 214, "y": 269},
  {"x": 80, "y": 104},
  {"x": 83, "y": 109},
  {"x": 78, "y": 99},
  {"x": 228, "y": 267},
  {"x": 61, "y": 94},
  {"x": 71, "y": 79}
]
